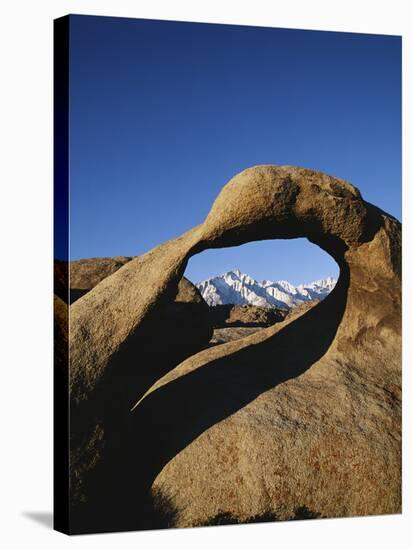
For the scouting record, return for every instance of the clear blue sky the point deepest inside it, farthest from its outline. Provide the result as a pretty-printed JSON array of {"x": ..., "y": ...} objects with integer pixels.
[{"x": 163, "y": 114}]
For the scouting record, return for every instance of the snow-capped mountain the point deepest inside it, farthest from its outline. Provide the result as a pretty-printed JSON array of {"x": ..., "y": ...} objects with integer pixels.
[{"x": 235, "y": 287}]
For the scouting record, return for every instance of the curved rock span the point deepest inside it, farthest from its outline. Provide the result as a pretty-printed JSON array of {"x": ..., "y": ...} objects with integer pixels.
[{"x": 302, "y": 415}]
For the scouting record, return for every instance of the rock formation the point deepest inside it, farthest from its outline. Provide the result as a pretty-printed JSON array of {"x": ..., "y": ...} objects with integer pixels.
[
  {"x": 223, "y": 335},
  {"x": 304, "y": 414},
  {"x": 185, "y": 325},
  {"x": 235, "y": 315},
  {"x": 87, "y": 273}
]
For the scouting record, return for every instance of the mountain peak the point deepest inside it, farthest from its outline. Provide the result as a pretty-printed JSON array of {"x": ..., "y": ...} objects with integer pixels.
[
  {"x": 235, "y": 272},
  {"x": 235, "y": 287}
]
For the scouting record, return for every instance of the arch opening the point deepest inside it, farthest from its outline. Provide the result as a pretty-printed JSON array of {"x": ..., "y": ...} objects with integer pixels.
[{"x": 251, "y": 286}]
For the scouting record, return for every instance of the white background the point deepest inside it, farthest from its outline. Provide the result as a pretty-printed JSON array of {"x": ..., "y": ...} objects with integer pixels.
[{"x": 26, "y": 270}]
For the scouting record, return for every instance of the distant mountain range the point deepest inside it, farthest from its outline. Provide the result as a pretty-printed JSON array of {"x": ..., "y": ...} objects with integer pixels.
[{"x": 235, "y": 287}]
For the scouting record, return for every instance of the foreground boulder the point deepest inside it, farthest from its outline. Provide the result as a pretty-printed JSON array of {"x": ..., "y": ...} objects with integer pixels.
[{"x": 302, "y": 415}]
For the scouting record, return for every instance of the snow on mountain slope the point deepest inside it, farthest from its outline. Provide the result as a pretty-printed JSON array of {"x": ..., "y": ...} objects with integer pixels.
[{"x": 235, "y": 287}]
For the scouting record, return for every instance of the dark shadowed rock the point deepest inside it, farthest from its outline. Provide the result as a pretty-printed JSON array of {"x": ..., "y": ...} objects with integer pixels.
[
  {"x": 61, "y": 280},
  {"x": 61, "y": 340}
]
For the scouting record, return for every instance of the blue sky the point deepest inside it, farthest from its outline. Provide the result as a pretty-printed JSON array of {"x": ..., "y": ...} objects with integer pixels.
[{"x": 163, "y": 114}]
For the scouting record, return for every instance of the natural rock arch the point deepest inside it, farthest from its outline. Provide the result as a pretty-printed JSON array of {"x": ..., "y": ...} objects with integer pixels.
[{"x": 350, "y": 341}]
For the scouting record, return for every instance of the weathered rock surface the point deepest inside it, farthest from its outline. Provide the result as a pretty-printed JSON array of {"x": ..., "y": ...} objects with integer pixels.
[
  {"x": 235, "y": 322},
  {"x": 223, "y": 335},
  {"x": 84, "y": 275},
  {"x": 184, "y": 326},
  {"x": 302, "y": 414},
  {"x": 87, "y": 273},
  {"x": 184, "y": 322},
  {"x": 236, "y": 315}
]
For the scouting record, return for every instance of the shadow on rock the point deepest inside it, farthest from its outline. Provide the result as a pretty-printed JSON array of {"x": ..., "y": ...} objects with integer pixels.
[{"x": 171, "y": 417}]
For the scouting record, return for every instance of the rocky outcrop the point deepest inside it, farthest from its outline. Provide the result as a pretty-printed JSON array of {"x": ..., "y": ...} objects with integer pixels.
[
  {"x": 185, "y": 321},
  {"x": 304, "y": 414},
  {"x": 85, "y": 274},
  {"x": 238, "y": 316},
  {"x": 223, "y": 335},
  {"x": 235, "y": 322},
  {"x": 183, "y": 324}
]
